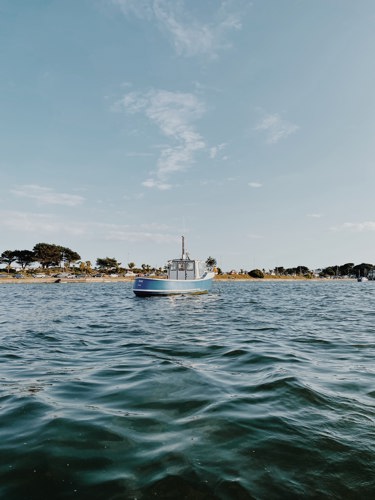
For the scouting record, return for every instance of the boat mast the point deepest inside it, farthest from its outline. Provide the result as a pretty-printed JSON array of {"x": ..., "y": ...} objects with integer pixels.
[{"x": 183, "y": 247}]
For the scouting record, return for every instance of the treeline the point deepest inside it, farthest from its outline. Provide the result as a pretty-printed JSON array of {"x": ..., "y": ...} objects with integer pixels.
[
  {"x": 50, "y": 256},
  {"x": 46, "y": 254},
  {"x": 348, "y": 269},
  {"x": 339, "y": 271}
]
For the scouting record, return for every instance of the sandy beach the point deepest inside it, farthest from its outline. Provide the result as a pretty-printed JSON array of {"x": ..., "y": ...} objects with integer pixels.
[
  {"x": 17, "y": 281},
  {"x": 53, "y": 280}
]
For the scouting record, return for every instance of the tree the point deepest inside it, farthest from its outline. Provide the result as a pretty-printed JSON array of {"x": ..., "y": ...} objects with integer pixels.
[
  {"x": 131, "y": 265},
  {"x": 50, "y": 255},
  {"x": 279, "y": 270},
  {"x": 328, "y": 271},
  {"x": 68, "y": 255},
  {"x": 290, "y": 271},
  {"x": 24, "y": 257},
  {"x": 47, "y": 254},
  {"x": 362, "y": 269},
  {"x": 146, "y": 268},
  {"x": 8, "y": 257},
  {"x": 346, "y": 269},
  {"x": 303, "y": 270},
  {"x": 211, "y": 262},
  {"x": 256, "y": 273},
  {"x": 107, "y": 263}
]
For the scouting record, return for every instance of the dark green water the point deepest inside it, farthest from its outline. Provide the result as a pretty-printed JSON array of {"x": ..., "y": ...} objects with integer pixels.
[{"x": 258, "y": 390}]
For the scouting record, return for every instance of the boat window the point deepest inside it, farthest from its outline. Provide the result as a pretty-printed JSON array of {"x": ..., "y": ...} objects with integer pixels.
[
  {"x": 182, "y": 265},
  {"x": 202, "y": 268}
]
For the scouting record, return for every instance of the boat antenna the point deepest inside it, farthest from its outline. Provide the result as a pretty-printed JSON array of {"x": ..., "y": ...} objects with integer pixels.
[{"x": 183, "y": 246}]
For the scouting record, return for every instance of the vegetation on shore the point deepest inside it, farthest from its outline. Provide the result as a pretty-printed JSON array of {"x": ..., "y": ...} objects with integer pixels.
[{"x": 51, "y": 258}]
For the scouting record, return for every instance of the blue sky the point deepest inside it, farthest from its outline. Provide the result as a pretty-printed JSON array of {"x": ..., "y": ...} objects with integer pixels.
[{"x": 247, "y": 126}]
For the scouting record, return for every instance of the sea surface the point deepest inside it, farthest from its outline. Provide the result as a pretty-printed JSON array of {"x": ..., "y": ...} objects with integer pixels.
[{"x": 261, "y": 390}]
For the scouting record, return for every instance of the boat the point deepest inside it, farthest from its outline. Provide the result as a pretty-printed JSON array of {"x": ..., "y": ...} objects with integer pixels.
[
  {"x": 184, "y": 276},
  {"x": 362, "y": 278}
]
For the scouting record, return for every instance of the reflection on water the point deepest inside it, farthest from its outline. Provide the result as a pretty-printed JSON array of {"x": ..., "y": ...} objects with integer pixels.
[{"x": 257, "y": 390}]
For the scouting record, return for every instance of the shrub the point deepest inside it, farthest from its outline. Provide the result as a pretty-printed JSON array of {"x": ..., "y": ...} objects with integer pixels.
[{"x": 256, "y": 273}]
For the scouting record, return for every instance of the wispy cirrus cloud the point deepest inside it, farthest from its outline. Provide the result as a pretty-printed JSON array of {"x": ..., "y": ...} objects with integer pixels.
[
  {"x": 150, "y": 234},
  {"x": 255, "y": 184},
  {"x": 189, "y": 36},
  {"x": 48, "y": 225},
  {"x": 275, "y": 128},
  {"x": 174, "y": 114},
  {"x": 156, "y": 183},
  {"x": 365, "y": 226},
  {"x": 47, "y": 196},
  {"x": 39, "y": 224},
  {"x": 215, "y": 150},
  {"x": 314, "y": 216}
]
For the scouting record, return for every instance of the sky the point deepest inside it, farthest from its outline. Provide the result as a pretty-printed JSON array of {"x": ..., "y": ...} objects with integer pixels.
[{"x": 246, "y": 126}]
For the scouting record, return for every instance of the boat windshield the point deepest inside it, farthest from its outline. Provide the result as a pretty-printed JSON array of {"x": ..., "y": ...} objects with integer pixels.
[{"x": 182, "y": 265}]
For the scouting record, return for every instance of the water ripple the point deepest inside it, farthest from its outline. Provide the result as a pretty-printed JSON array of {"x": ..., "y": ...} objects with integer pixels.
[{"x": 258, "y": 390}]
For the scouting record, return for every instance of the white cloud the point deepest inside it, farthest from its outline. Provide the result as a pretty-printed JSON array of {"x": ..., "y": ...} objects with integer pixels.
[
  {"x": 356, "y": 226},
  {"x": 217, "y": 182},
  {"x": 155, "y": 233},
  {"x": 47, "y": 196},
  {"x": 276, "y": 128},
  {"x": 140, "y": 8},
  {"x": 38, "y": 223},
  {"x": 189, "y": 36},
  {"x": 173, "y": 113},
  {"x": 153, "y": 183},
  {"x": 255, "y": 184},
  {"x": 45, "y": 226},
  {"x": 215, "y": 150},
  {"x": 315, "y": 216}
]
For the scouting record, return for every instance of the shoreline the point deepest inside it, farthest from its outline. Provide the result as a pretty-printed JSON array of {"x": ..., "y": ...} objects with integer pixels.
[
  {"x": 57, "y": 281},
  {"x": 10, "y": 281}
]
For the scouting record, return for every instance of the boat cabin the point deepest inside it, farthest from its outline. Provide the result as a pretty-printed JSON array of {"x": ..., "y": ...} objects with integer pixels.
[{"x": 186, "y": 269}]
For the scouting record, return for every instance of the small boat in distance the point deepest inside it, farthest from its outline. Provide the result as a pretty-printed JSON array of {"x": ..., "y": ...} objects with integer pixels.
[
  {"x": 362, "y": 278},
  {"x": 185, "y": 276}
]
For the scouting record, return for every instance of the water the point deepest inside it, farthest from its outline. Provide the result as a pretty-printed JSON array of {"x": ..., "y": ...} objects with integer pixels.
[{"x": 257, "y": 390}]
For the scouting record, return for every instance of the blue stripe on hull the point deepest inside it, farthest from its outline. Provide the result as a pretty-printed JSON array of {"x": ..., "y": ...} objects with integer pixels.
[{"x": 153, "y": 286}]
